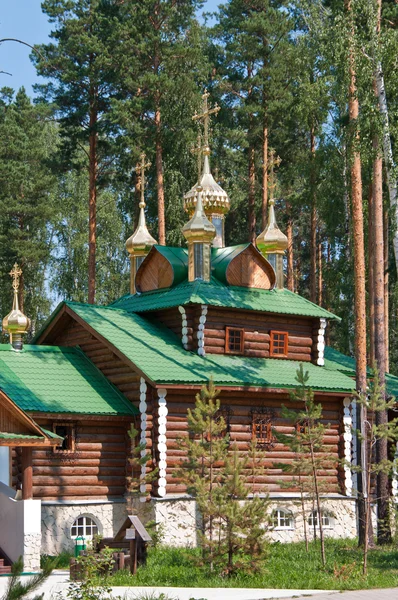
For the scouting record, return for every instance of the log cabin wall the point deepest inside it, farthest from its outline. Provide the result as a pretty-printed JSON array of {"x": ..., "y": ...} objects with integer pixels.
[
  {"x": 240, "y": 422},
  {"x": 96, "y": 469},
  {"x": 121, "y": 375},
  {"x": 172, "y": 318},
  {"x": 257, "y": 327}
]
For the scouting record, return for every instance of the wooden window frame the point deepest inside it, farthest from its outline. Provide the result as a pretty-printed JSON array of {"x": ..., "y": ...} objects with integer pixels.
[
  {"x": 264, "y": 418},
  {"x": 242, "y": 340},
  {"x": 272, "y": 348},
  {"x": 72, "y": 439}
]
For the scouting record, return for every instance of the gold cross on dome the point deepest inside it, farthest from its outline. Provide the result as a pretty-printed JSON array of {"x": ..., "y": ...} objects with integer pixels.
[
  {"x": 140, "y": 168},
  {"x": 205, "y": 116},
  {"x": 219, "y": 178},
  {"x": 15, "y": 273},
  {"x": 273, "y": 162},
  {"x": 198, "y": 150}
]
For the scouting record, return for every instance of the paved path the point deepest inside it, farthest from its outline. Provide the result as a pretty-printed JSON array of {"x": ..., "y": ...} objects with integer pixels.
[{"x": 58, "y": 582}]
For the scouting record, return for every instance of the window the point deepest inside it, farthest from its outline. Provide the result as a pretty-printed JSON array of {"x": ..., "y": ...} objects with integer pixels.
[
  {"x": 198, "y": 260},
  {"x": 278, "y": 343},
  {"x": 262, "y": 427},
  {"x": 282, "y": 519},
  {"x": 326, "y": 520},
  {"x": 234, "y": 340},
  {"x": 84, "y": 526},
  {"x": 67, "y": 432}
]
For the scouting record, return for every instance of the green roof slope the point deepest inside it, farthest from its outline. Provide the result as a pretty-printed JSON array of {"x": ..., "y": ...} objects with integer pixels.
[
  {"x": 159, "y": 355},
  {"x": 215, "y": 293},
  {"x": 58, "y": 380},
  {"x": 336, "y": 361}
]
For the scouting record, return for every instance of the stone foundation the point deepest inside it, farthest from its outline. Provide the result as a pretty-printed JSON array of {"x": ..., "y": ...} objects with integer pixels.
[
  {"x": 58, "y": 518},
  {"x": 178, "y": 519}
]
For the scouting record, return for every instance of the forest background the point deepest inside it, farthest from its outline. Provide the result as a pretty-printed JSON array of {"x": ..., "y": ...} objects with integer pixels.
[{"x": 125, "y": 77}]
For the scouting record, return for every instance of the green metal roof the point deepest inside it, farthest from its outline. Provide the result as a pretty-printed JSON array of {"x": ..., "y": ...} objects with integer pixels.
[
  {"x": 19, "y": 436},
  {"x": 336, "y": 361},
  {"x": 58, "y": 380},
  {"x": 220, "y": 259},
  {"x": 215, "y": 293},
  {"x": 178, "y": 258},
  {"x": 159, "y": 355}
]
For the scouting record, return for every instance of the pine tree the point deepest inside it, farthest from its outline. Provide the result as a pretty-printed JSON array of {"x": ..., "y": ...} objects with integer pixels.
[
  {"x": 26, "y": 199},
  {"x": 81, "y": 65},
  {"x": 233, "y": 525}
]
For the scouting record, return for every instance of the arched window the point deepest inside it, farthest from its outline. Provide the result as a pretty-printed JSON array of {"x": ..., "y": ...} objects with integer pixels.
[
  {"x": 282, "y": 519},
  {"x": 326, "y": 520},
  {"x": 84, "y": 526}
]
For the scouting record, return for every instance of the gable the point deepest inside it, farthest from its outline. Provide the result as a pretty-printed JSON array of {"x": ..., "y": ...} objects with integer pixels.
[
  {"x": 18, "y": 429},
  {"x": 162, "y": 268},
  {"x": 250, "y": 269}
]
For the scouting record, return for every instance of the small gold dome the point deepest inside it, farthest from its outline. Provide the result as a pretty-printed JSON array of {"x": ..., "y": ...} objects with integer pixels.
[
  {"x": 272, "y": 240},
  {"x": 141, "y": 238},
  {"x": 16, "y": 323},
  {"x": 199, "y": 228},
  {"x": 215, "y": 199}
]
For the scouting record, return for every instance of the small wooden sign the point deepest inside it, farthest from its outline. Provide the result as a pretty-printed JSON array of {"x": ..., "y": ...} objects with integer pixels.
[{"x": 130, "y": 534}]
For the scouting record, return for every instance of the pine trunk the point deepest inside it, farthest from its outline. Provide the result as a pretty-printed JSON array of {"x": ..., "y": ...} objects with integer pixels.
[
  {"x": 359, "y": 274},
  {"x": 371, "y": 303},
  {"x": 264, "y": 203},
  {"x": 313, "y": 246},
  {"x": 386, "y": 296},
  {"x": 159, "y": 179},
  {"x": 252, "y": 196},
  {"x": 92, "y": 201},
  {"x": 383, "y": 529},
  {"x": 290, "y": 262},
  {"x": 320, "y": 275}
]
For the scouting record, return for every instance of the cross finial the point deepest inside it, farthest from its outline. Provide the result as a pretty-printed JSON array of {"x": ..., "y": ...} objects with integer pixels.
[
  {"x": 205, "y": 118},
  {"x": 140, "y": 168},
  {"x": 198, "y": 150},
  {"x": 15, "y": 273},
  {"x": 273, "y": 162}
]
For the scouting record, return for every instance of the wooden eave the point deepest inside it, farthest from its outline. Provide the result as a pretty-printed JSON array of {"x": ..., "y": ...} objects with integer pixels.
[
  {"x": 242, "y": 388},
  {"x": 27, "y": 422}
]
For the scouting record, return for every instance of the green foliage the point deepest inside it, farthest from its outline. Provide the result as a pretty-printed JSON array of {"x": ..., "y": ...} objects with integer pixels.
[
  {"x": 288, "y": 566},
  {"x": 232, "y": 535},
  {"x": 95, "y": 568},
  {"x": 18, "y": 588},
  {"x": 60, "y": 561}
]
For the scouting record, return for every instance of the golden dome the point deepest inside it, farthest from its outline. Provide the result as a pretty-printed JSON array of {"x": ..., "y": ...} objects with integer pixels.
[
  {"x": 141, "y": 238},
  {"x": 16, "y": 323},
  {"x": 215, "y": 199},
  {"x": 272, "y": 240},
  {"x": 199, "y": 228}
]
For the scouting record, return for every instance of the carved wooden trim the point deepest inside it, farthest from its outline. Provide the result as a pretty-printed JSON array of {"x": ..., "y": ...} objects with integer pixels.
[{"x": 162, "y": 441}]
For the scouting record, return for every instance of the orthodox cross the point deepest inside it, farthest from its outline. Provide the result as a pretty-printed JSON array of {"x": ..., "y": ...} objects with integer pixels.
[
  {"x": 273, "y": 162},
  {"x": 15, "y": 273},
  {"x": 205, "y": 117},
  {"x": 198, "y": 150},
  {"x": 140, "y": 168},
  {"x": 219, "y": 178}
]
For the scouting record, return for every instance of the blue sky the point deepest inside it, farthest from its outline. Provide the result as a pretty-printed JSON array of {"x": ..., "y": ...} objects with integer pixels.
[{"x": 24, "y": 20}]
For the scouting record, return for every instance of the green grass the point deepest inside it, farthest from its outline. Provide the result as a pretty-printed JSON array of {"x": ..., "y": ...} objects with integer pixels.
[
  {"x": 61, "y": 561},
  {"x": 287, "y": 566}
]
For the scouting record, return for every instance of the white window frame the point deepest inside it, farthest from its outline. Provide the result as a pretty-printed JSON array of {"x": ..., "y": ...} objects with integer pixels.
[
  {"x": 85, "y": 535},
  {"x": 277, "y": 516},
  {"x": 327, "y": 520}
]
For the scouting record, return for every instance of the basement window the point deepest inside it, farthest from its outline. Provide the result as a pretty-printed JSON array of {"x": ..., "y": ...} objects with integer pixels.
[
  {"x": 262, "y": 427},
  {"x": 68, "y": 433},
  {"x": 326, "y": 520},
  {"x": 278, "y": 343},
  {"x": 84, "y": 526},
  {"x": 282, "y": 519},
  {"x": 234, "y": 340}
]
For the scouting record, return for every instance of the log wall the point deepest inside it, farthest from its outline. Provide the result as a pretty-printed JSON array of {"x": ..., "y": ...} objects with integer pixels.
[
  {"x": 257, "y": 327},
  {"x": 96, "y": 469},
  {"x": 121, "y": 375},
  {"x": 240, "y": 422},
  {"x": 172, "y": 319}
]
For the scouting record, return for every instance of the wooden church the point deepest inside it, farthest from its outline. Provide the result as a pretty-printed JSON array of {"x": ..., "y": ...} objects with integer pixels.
[{"x": 69, "y": 400}]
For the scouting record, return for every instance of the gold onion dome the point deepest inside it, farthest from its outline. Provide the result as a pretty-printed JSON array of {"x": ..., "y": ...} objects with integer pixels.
[
  {"x": 272, "y": 240},
  {"x": 215, "y": 199},
  {"x": 141, "y": 238},
  {"x": 16, "y": 323},
  {"x": 199, "y": 228}
]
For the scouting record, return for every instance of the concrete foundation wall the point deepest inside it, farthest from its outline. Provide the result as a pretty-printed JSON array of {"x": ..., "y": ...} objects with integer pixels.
[
  {"x": 58, "y": 518},
  {"x": 179, "y": 520}
]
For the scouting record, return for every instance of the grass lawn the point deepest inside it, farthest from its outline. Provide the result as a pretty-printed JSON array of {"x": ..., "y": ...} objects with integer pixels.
[{"x": 287, "y": 566}]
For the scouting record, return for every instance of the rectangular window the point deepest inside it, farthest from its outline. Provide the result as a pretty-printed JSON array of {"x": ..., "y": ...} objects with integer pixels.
[
  {"x": 262, "y": 427},
  {"x": 198, "y": 260},
  {"x": 234, "y": 340},
  {"x": 67, "y": 432},
  {"x": 278, "y": 343}
]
